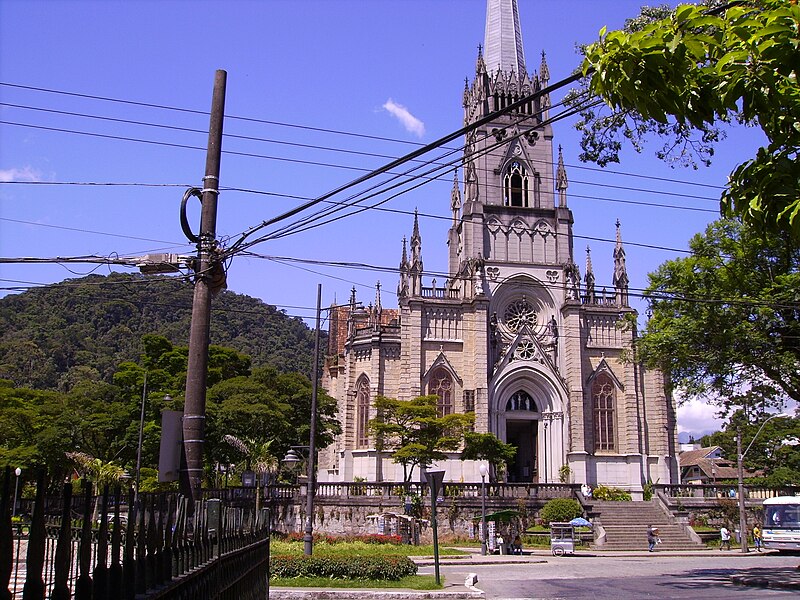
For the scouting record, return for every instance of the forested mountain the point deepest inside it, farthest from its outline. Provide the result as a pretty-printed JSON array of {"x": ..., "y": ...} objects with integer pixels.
[{"x": 51, "y": 337}]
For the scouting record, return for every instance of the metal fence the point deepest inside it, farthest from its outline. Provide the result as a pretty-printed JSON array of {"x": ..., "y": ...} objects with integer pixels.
[{"x": 117, "y": 546}]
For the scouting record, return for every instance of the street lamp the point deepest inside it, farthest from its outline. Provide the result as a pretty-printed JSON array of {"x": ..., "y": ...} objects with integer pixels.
[
  {"x": 17, "y": 472},
  {"x": 483, "y": 470},
  {"x": 740, "y": 468}
]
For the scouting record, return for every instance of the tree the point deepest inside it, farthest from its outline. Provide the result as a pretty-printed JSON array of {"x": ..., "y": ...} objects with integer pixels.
[
  {"x": 414, "y": 432},
  {"x": 726, "y": 320},
  {"x": 486, "y": 446},
  {"x": 683, "y": 74},
  {"x": 775, "y": 452}
]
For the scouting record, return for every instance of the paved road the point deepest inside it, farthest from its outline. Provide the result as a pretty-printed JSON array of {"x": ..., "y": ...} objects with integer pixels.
[{"x": 596, "y": 577}]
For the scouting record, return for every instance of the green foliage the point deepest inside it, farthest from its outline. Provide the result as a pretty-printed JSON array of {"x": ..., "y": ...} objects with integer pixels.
[
  {"x": 564, "y": 473},
  {"x": 560, "y": 510},
  {"x": 414, "y": 432},
  {"x": 603, "y": 492},
  {"x": 724, "y": 322},
  {"x": 486, "y": 446},
  {"x": 55, "y": 335},
  {"x": 683, "y": 73},
  {"x": 343, "y": 567},
  {"x": 648, "y": 491}
]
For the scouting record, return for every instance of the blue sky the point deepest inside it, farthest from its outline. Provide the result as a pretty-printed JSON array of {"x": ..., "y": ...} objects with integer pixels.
[{"x": 301, "y": 74}]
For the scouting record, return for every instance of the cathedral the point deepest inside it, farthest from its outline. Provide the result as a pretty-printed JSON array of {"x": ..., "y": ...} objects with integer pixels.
[{"x": 514, "y": 335}]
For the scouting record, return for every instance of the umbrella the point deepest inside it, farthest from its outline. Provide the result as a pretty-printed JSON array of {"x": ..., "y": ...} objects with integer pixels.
[{"x": 580, "y": 522}]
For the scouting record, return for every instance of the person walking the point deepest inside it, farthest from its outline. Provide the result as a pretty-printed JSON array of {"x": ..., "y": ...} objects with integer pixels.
[
  {"x": 757, "y": 537},
  {"x": 652, "y": 537},
  {"x": 724, "y": 538}
]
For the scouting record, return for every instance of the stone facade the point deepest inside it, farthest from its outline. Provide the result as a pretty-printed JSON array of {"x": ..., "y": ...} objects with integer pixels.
[{"x": 514, "y": 335}]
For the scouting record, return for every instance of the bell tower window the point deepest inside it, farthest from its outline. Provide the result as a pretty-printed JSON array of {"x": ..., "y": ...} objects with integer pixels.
[{"x": 516, "y": 185}]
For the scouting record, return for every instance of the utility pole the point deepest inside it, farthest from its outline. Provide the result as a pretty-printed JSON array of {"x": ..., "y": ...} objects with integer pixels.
[
  {"x": 206, "y": 269},
  {"x": 311, "y": 479},
  {"x": 740, "y": 468}
]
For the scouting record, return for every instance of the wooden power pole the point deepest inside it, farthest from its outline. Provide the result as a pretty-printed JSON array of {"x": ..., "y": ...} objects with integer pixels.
[{"x": 207, "y": 273}]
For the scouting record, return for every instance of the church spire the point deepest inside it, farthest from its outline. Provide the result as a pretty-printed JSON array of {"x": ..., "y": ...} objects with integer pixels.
[
  {"x": 415, "y": 267},
  {"x": 588, "y": 279},
  {"x": 503, "y": 38},
  {"x": 561, "y": 180},
  {"x": 620, "y": 279},
  {"x": 544, "y": 78},
  {"x": 455, "y": 198},
  {"x": 402, "y": 286}
]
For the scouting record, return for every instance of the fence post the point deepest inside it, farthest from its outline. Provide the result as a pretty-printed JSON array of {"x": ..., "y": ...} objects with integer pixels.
[
  {"x": 61, "y": 589},
  {"x": 34, "y": 561},
  {"x": 6, "y": 537},
  {"x": 83, "y": 587},
  {"x": 100, "y": 587}
]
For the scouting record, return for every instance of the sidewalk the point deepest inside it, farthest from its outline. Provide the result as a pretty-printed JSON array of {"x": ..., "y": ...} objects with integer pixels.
[{"x": 778, "y": 577}]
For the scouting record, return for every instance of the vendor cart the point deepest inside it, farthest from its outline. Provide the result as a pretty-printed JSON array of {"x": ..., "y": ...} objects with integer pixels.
[{"x": 562, "y": 539}]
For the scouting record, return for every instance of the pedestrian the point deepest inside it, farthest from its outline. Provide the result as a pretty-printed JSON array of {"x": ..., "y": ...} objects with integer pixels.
[
  {"x": 724, "y": 538},
  {"x": 516, "y": 545},
  {"x": 652, "y": 537},
  {"x": 586, "y": 490},
  {"x": 757, "y": 537}
]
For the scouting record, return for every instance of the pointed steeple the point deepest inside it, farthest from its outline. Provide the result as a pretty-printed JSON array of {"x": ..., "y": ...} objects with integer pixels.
[
  {"x": 561, "y": 180},
  {"x": 620, "y": 279},
  {"x": 544, "y": 77},
  {"x": 376, "y": 311},
  {"x": 480, "y": 64},
  {"x": 455, "y": 198},
  {"x": 588, "y": 279},
  {"x": 544, "y": 71},
  {"x": 402, "y": 286},
  {"x": 415, "y": 266},
  {"x": 503, "y": 38}
]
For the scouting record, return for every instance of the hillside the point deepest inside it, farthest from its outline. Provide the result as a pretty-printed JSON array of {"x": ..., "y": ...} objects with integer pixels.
[{"x": 96, "y": 322}]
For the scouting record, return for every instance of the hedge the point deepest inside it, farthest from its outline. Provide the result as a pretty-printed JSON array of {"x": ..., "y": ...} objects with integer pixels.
[
  {"x": 560, "y": 510},
  {"x": 388, "y": 568},
  {"x": 370, "y": 538}
]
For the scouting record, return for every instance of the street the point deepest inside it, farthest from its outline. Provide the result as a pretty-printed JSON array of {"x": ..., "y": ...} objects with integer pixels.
[{"x": 600, "y": 577}]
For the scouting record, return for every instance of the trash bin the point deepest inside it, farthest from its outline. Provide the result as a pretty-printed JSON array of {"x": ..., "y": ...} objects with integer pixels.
[{"x": 738, "y": 537}]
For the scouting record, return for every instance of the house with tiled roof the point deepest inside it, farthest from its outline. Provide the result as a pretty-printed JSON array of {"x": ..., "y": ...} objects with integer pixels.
[{"x": 707, "y": 466}]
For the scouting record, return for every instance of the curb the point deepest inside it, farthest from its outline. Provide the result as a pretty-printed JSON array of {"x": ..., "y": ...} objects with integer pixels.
[{"x": 367, "y": 594}]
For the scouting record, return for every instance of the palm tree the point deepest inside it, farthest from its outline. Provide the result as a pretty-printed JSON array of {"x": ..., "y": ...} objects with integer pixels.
[
  {"x": 258, "y": 457},
  {"x": 98, "y": 471}
]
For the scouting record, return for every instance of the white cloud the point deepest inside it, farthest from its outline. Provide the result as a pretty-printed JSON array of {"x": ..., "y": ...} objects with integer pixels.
[
  {"x": 23, "y": 174},
  {"x": 411, "y": 123},
  {"x": 698, "y": 417}
]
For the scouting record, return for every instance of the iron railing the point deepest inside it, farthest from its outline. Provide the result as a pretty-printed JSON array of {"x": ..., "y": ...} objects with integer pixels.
[{"x": 112, "y": 546}]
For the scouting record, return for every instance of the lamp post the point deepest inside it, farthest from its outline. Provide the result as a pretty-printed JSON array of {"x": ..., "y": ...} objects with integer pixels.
[
  {"x": 740, "y": 467},
  {"x": 483, "y": 470},
  {"x": 17, "y": 472}
]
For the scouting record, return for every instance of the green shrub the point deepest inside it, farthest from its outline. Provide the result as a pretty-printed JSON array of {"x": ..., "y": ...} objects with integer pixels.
[
  {"x": 388, "y": 568},
  {"x": 602, "y": 492},
  {"x": 560, "y": 510}
]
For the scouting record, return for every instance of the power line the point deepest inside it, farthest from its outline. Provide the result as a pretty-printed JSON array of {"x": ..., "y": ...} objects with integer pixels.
[{"x": 295, "y": 126}]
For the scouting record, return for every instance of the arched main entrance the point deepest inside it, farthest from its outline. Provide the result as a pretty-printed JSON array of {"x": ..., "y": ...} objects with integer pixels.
[
  {"x": 522, "y": 433},
  {"x": 529, "y": 414}
]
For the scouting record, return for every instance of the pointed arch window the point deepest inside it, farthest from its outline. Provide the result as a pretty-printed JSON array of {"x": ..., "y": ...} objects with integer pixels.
[
  {"x": 441, "y": 384},
  {"x": 362, "y": 412},
  {"x": 603, "y": 401},
  {"x": 520, "y": 400},
  {"x": 516, "y": 185}
]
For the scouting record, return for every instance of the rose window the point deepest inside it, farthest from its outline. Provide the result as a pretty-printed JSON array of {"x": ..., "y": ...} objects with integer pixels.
[
  {"x": 518, "y": 314},
  {"x": 526, "y": 350}
]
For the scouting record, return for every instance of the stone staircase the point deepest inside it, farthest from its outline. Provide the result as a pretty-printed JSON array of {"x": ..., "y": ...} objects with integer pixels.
[{"x": 626, "y": 523}]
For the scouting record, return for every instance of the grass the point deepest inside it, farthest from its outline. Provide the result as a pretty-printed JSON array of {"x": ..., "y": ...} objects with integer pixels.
[
  {"x": 412, "y": 582},
  {"x": 360, "y": 549}
]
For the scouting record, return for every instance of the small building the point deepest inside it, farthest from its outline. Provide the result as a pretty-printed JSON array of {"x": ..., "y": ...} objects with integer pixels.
[{"x": 706, "y": 466}]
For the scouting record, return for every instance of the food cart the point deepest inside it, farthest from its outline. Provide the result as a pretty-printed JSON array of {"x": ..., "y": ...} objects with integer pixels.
[{"x": 562, "y": 538}]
